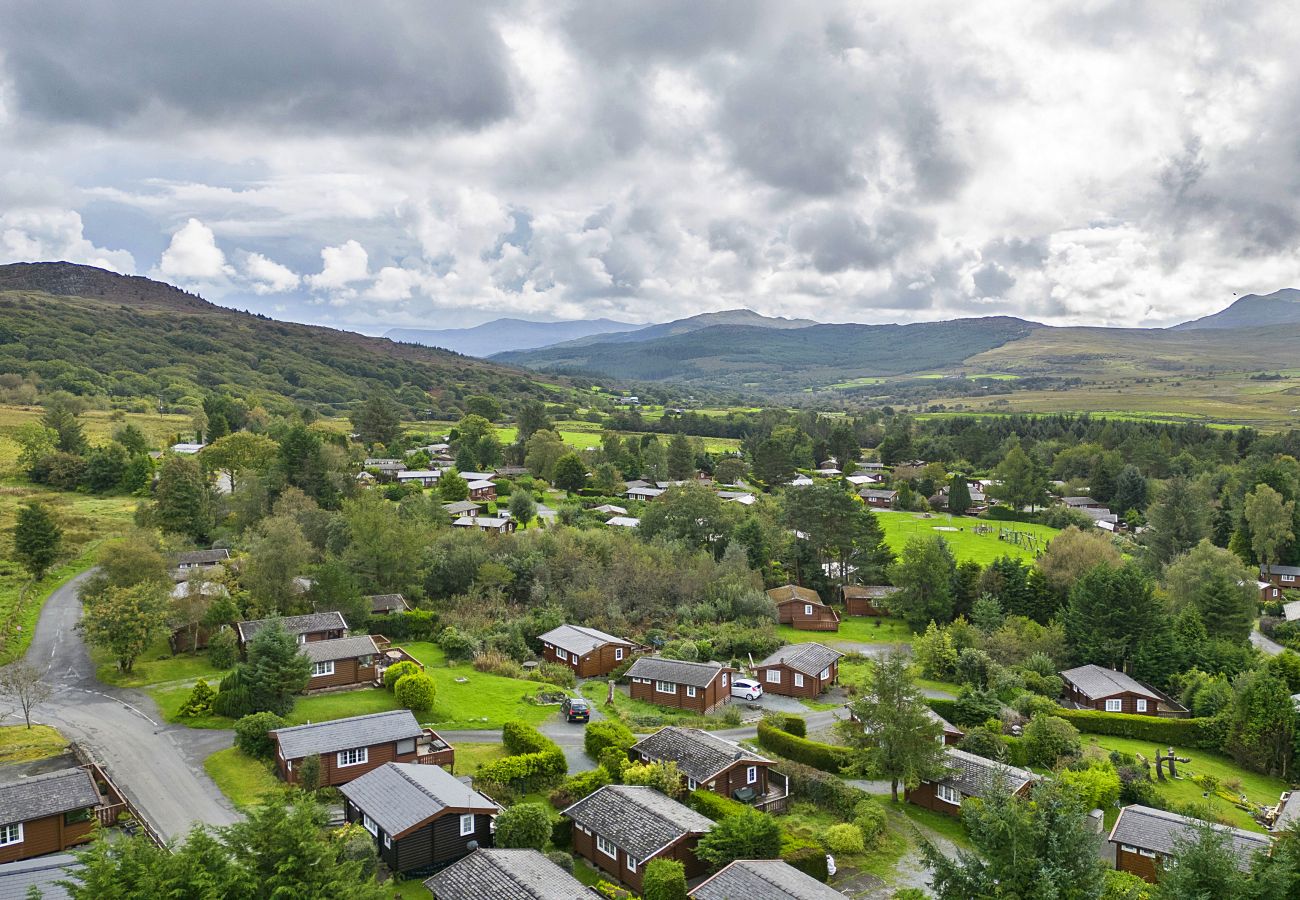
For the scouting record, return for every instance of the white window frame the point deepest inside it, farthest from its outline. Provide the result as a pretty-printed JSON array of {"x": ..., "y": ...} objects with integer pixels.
[
  {"x": 948, "y": 794},
  {"x": 302, "y": 639},
  {"x": 773, "y": 676},
  {"x": 1149, "y": 854},
  {"x": 691, "y": 784},
  {"x": 1141, "y": 705},
  {"x": 618, "y": 654},
  {"x": 602, "y": 843},
  {"x": 751, "y": 775},
  {"x": 631, "y": 864},
  {"x": 665, "y": 687},
  {"x": 1114, "y": 705},
  {"x": 690, "y": 690},
  {"x": 388, "y": 842},
  {"x": 347, "y": 758},
  {"x": 323, "y": 668},
  {"x": 369, "y": 824},
  {"x": 1127, "y": 848},
  {"x": 11, "y": 834},
  {"x": 561, "y": 655},
  {"x": 1288, "y": 578},
  {"x": 826, "y": 673},
  {"x": 467, "y": 819},
  {"x": 807, "y": 609},
  {"x": 798, "y": 679},
  {"x": 724, "y": 679}
]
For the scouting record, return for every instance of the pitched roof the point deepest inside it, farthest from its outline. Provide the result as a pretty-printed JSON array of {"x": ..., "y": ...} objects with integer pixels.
[
  {"x": 1287, "y": 811},
  {"x": 1279, "y": 570},
  {"x": 43, "y": 873},
  {"x": 644, "y": 491},
  {"x": 342, "y": 648},
  {"x": 480, "y": 521},
  {"x": 763, "y": 879},
  {"x": 579, "y": 639},
  {"x": 480, "y": 485},
  {"x": 399, "y": 796},
  {"x": 698, "y": 754},
  {"x": 869, "y": 591},
  {"x": 1160, "y": 830},
  {"x": 610, "y": 508},
  {"x": 679, "y": 671},
  {"x": 344, "y": 734},
  {"x": 809, "y": 658},
  {"x": 507, "y": 875},
  {"x": 975, "y": 776},
  {"x": 794, "y": 592},
  {"x": 1291, "y": 610},
  {"x": 322, "y": 621},
  {"x": 874, "y": 494},
  {"x": 1098, "y": 682},
  {"x": 623, "y": 522},
  {"x": 201, "y": 557},
  {"x": 461, "y": 506},
  {"x": 387, "y": 602},
  {"x": 46, "y": 795},
  {"x": 1078, "y": 501},
  {"x": 421, "y": 474},
  {"x": 639, "y": 820}
]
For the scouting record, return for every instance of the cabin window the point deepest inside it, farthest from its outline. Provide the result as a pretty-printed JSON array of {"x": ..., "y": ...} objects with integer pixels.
[
  {"x": 618, "y": 653},
  {"x": 807, "y": 609},
  {"x": 773, "y": 676},
  {"x": 666, "y": 687},
  {"x": 1114, "y": 705},
  {"x": 405, "y": 746},
  {"x": 751, "y": 775},
  {"x": 322, "y": 668},
  {"x": 1128, "y": 849},
  {"x": 631, "y": 864},
  {"x": 369, "y": 824},
  {"x": 1149, "y": 854},
  {"x": 798, "y": 679},
  {"x": 1288, "y": 578},
  {"x": 947, "y": 794},
  {"x": 690, "y": 690},
  {"x": 467, "y": 825},
  {"x": 388, "y": 842},
  {"x": 302, "y": 638},
  {"x": 724, "y": 679},
  {"x": 1141, "y": 706},
  {"x": 74, "y": 816},
  {"x": 561, "y": 655},
  {"x": 354, "y": 757},
  {"x": 691, "y": 784},
  {"x": 606, "y": 847},
  {"x": 11, "y": 834},
  {"x": 826, "y": 673}
]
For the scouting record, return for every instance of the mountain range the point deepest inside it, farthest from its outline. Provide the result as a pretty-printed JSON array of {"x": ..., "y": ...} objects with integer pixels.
[
  {"x": 501, "y": 335},
  {"x": 1253, "y": 311}
]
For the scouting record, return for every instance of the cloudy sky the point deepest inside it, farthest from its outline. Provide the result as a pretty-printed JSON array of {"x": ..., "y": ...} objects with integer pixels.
[{"x": 438, "y": 164}]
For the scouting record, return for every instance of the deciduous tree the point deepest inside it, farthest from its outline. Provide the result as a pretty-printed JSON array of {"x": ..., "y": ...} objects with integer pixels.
[
  {"x": 1271, "y": 521},
  {"x": 124, "y": 620},
  {"x": 183, "y": 499},
  {"x": 570, "y": 473},
  {"x": 746, "y": 835},
  {"x": 21, "y": 684},
  {"x": 924, "y": 574},
  {"x": 37, "y": 538},
  {"x": 237, "y": 453},
  {"x": 1219, "y": 585}
]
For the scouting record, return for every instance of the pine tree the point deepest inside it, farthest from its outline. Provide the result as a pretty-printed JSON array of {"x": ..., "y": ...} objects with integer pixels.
[
  {"x": 377, "y": 421},
  {"x": 276, "y": 670},
  {"x": 958, "y": 495},
  {"x": 925, "y": 574},
  {"x": 681, "y": 460},
  {"x": 37, "y": 538},
  {"x": 183, "y": 499}
]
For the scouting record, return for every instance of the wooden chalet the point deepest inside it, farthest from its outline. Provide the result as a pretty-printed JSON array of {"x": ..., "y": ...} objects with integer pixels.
[
  {"x": 877, "y": 498},
  {"x": 422, "y": 477},
  {"x": 715, "y": 764},
  {"x": 322, "y": 626},
  {"x": 462, "y": 508},
  {"x": 1145, "y": 840},
  {"x": 762, "y": 879},
  {"x": 342, "y": 663},
  {"x": 349, "y": 748},
  {"x": 642, "y": 493},
  {"x": 1106, "y": 690},
  {"x": 1285, "y": 577},
  {"x": 422, "y": 817},
  {"x": 1268, "y": 592},
  {"x": 802, "y": 608},
  {"x": 385, "y": 604},
  {"x": 47, "y": 813},
  {"x": 698, "y": 686},
  {"x": 200, "y": 559},
  {"x": 507, "y": 875},
  {"x": 949, "y": 735},
  {"x": 799, "y": 670},
  {"x": 866, "y": 599},
  {"x": 969, "y": 776},
  {"x": 490, "y": 524},
  {"x": 589, "y": 652},
  {"x": 482, "y": 491},
  {"x": 620, "y": 828}
]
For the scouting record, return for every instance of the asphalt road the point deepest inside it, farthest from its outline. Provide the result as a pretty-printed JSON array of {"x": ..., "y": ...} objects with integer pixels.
[
  {"x": 1268, "y": 645},
  {"x": 158, "y": 766}
]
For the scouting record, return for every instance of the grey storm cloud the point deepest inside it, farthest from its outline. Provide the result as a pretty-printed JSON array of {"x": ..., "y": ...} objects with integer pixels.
[
  {"x": 838, "y": 239},
  {"x": 381, "y": 64}
]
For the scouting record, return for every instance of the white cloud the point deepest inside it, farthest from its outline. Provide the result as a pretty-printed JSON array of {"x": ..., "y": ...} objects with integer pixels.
[
  {"x": 193, "y": 255},
  {"x": 39, "y": 235},
  {"x": 267, "y": 276},
  {"x": 342, "y": 266}
]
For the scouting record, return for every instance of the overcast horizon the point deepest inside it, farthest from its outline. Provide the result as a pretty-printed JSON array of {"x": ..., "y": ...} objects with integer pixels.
[{"x": 437, "y": 165}]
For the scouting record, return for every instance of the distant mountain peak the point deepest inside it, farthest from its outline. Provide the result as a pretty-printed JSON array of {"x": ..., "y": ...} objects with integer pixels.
[
  {"x": 1253, "y": 311},
  {"x": 503, "y": 335}
]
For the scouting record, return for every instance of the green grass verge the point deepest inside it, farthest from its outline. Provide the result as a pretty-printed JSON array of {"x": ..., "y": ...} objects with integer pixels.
[
  {"x": 244, "y": 780},
  {"x": 469, "y": 756},
  {"x": 21, "y": 602},
  {"x": 901, "y": 527},
  {"x": 625, "y": 708},
  {"x": 853, "y": 629},
  {"x": 18, "y": 743},
  {"x": 156, "y": 666}
]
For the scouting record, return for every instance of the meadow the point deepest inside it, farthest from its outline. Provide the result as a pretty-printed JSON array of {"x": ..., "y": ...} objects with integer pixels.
[{"x": 1020, "y": 540}]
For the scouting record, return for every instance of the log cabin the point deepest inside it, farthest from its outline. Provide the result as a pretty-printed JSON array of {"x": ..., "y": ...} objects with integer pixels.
[
  {"x": 1285, "y": 577},
  {"x": 322, "y": 626},
  {"x": 799, "y": 670},
  {"x": 866, "y": 599},
  {"x": 589, "y": 652},
  {"x": 385, "y": 604},
  {"x": 699, "y": 686},
  {"x": 969, "y": 776},
  {"x": 1106, "y": 690},
  {"x": 47, "y": 813},
  {"x": 507, "y": 875},
  {"x": 1145, "y": 839},
  {"x": 341, "y": 663},
  {"x": 803, "y": 609},
  {"x": 714, "y": 764},
  {"x": 349, "y": 748}
]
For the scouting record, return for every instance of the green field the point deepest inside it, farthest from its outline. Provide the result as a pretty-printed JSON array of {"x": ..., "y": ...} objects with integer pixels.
[
  {"x": 965, "y": 543},
  {"x": 98, "y": 424},
  {"x": 469, "y": 756},
  {"x": 853, "y": 629}
]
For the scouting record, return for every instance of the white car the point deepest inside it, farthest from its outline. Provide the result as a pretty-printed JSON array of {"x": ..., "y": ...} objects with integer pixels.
[{"x": 746, "y": 689}]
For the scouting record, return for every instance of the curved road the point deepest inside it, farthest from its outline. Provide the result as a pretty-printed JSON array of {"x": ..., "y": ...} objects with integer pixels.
[{"x": 159, "y": 766}]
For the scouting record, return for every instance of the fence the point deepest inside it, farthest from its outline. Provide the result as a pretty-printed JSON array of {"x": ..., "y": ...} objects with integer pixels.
[{"x": 110, "y": 814}]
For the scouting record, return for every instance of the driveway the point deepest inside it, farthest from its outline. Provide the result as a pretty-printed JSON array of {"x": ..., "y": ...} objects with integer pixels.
[
  {"x": 158, "y": 766},
  {"x": 1268, "y": 645}
]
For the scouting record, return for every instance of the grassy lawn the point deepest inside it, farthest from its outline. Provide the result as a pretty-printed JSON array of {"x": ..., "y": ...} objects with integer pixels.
[
  {"x": 156, "y": 666},
  {"x": 246, "y": 781},
  {"x": 407, "y": 889},
  {"x": 853, "y": 629},
  {"x": 626, "y": 707},
  {"x": 20, "y": 744},
  {"x": 853, "y": 673},
  {"x": 900, "y": 527},
  {"x": 469, "y": 756},
  {"x": 1259, "y": 789},
  {"x": 949, "y": 827}
]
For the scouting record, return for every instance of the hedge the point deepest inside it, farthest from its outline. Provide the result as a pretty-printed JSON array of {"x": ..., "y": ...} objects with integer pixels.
[
  {"x": 810, "y": 861},
  {"x": 579, "y": 786},
  {"x": 520, "y": 737},
  {"x": 534, "y": 758},
  {"x": 826, "y": 757},
  {"x": 1198, "y": 734},
  {"x": 944, "y": 707},
  {"x": 609, "y": 733},
  {"x": 795, "y": 725},
  {"x": 714, "y": 806},
  {"x": 822, "y": 789}
]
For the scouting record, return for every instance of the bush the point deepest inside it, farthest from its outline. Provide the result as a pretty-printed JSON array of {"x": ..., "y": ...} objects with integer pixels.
[
  {"x": 714, "y": 806},
  {"x": 665, "y": 879},
  {"x": 663, "y": 776},
  {"x": 869, "y": 816},
  {"x": 579, "y": 786},
  {"x": 520, "y": 737},
  {"x": 1098, "y": 785},
  {"x": 827, "y": 757},
  {"x": 412, "y": 625},
  {"x": 456, "y": 644},
  {"x": 399, "y": 670},
  {"x": 607, "y": 733},
  {"x": 223, "y": 649},
  {"x": 251, "y": 734},
  {"x": 1030, "y": 705},
  {"x": 416, "y": 692},
  {"x": 561, "y": 859},
  {"x": 795, "y": 725},
  {"x": 557, "y": 674},
  {"x": 526, "y": 771},
  {"x": 523, "y": 826},
  {"x": 844, "y": 839},
  {"x": 985, "y": 742},
  {"x": 1048, "y": 738},
  {"x": 974, "y": 707},
  {"x": 809, "y": 860},
  {"x": 309, "y": 773},
  {"x": 825, "y": 791},
  {"x": 1197, "y": 734},
  {"x": 234, "y": 697},
  {"x": 199, "y": 702},
  {"x": 614, "y": 761},
  {"x": 747, "y": 835},
  {"x": 495, "y": 662}
]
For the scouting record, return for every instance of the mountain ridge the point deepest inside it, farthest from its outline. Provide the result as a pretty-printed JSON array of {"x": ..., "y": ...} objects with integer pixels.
[
  {"x": 1281, "y": 307},
  {"x": 506, "y": 334}
]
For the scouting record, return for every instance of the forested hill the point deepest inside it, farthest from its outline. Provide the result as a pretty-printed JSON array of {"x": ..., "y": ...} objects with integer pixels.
[
  {"x": 783, "y": 358},
  {"x": 92, "y": 332}
]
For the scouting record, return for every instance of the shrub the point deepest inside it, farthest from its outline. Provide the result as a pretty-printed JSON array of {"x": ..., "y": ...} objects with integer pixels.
[
  {"x": 663, "y": 776},
  {"x": 199, "y": 702},
  {"x": 251, "y": 734},
  {"x": 234, "y": 697},
  {"x": 795, "y": 725},
  {"x": 1197, "y": 734},
  {"x": 825, "y": 791},
  {"x": 608, "y": 733},
  {"x": 496, "y": 663},
  {"x": 918, "y": 894},
  {"x": 554, "y": 673},
  {"x": 985, "y": 742},
  {"x": 456, "y": 644},
  {"x": 844, "y": 839},
  {"x": 614, "y": 760},
  {"x": 579, "y": 786},
  {"x": 826, "y": 757},
  {"x": 416, "y": 692},
  {"x": 399, "y": 670},
  {"x": 562, "y": 832},
  {"x": 869, "y": 816},
  {"x": 525, "y": 771},
  {"x": 520, "y": 737},
  {"x": 309, "y": 773},
  {"x": 523, "y": 826},
  {"x": 975, "y": 707},
  {"x": 1097, "y": 785},
  {"x": 714, "y": 806},
  {"x": 223, "y": 649},
  {"x": 561, "y": 859},
  {"x": 1030, "y": 705},
  {"x": 809, "y": 860},
  {"x": 747, "y": 835},
  {"x": 1048, "y": 738},
  {"x": 665, "y": 879}
]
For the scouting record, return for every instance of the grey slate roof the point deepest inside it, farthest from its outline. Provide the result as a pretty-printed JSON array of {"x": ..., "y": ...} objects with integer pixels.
[
  {"x": 870, "y": 591},
  {"x": 322, "y": 621},
  {"x": 342, "y": 648},
  {"x": 1159, "y": 830},
  {"x": 1098, "y": 682},
  {"x": 809, "y": 658},
  {"x": 578, "y": 639},
  {"x": 639, "y": 820},
  {"x": 507, "y": 875},
  {"x": 47, "y": 795},
  {"x": 874, "y": 494},
  {"x": 42, "y": 873},
  {"x": 462, "y": 506},
  {"x": 1288, "y": 811},
  {"x": 679, "y": 671},
  {"x": 698, "y": 754},
  {"x": 399, "y": 796},
  {"x": 975, "y": 776},
  {"x": 387, "y": 602},
  {"x": 1280, "y": 570},
  {"x": 763, "y": 879},
  {"x": 201, "y": 557},
  {"x": 344, "y": 734}
]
